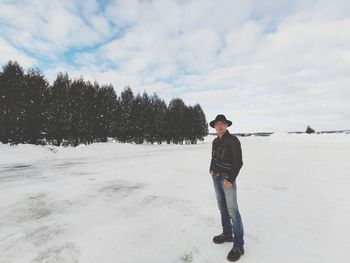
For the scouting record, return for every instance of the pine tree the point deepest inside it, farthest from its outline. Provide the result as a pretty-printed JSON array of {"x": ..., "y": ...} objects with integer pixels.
[
  {"x": 200, "y": 127},
  {"x": 106, "y": 109},
  {"x": 309, "y": 130},
  {"x": 59, "y": 121},
  {"x": 75, "y": 98},
  {"x": 12, "y": 90},
  {"x": 147, "y": 118},
  {"x": 72, "y": 112},
  {"x": 137, "y": 125},
  {"x": 159, "y": 124},
  {"x": 126, "y": 102},
  {"x": 90, "y": 112},
  {"x": 35, "y": 105},
  {"x": 175, "y": 117},
  {"x": 189, "y": 125}
]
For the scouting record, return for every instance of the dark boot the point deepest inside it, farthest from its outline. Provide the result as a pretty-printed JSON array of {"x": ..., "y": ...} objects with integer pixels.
[
  {"x": 235, "y": 253},
  {"x": 222, "y": 238}
]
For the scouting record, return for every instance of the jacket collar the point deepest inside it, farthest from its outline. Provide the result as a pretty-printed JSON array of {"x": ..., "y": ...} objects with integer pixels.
[{"x": 224, "y": 135}]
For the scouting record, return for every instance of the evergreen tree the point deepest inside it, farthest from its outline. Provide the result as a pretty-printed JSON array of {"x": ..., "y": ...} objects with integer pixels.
[
  {"x": 82, "y": 105},
  {"x": 59, "y": 121},
  {"x": 158, "y": 124},
  {"x": 126, "y": 102},
  {"x": 116, "y": 118},
  {"x": 72, "y": 112},
  {"x": 141, "y": 118},
  {"x": 189, "y": 125},
  {"x": 147, "y": 118},
  {"x": 106, "y": 108},
  {"x": 137, "y": 126},
  {"x": 35, "y": 105},
  {"x": 90, "y": 112},
  {"x": 175, "y": 120},
  {"x": 75, "y": 98},
  {"x": 200, "y": 125},
  {"x": 309, "y": 130},
  {"x": 12, "y": 90}
]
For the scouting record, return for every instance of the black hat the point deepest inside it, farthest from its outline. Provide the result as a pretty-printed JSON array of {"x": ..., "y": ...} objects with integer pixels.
[{"x": 220, "y": 117}]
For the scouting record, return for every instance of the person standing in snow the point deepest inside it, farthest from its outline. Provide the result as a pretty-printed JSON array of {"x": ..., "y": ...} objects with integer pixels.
[{"x": 225, "y": 165}]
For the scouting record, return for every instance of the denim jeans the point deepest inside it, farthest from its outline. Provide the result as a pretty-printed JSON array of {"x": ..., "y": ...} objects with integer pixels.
[{"x": 230, "y": 217}]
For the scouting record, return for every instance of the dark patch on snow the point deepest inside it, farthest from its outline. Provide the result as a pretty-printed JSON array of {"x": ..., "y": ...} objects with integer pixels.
[
  {"x": 21, "y": 166},
  {"x": 43, "y": 234},
  {"x": 120, "y": 188},
  {"x": 82, "y": 173},
  {"x": 187, "y": 257},
  {"x": 279, "y": 188},
  {"x": 16, "y": 168},
  {"x": 184, "y": 206},
  {"x": 150, "y": 198},
  {"x": 67, "y": 164},
  {"x": 18, "y": 172},
  {"x": 68, "y": 253},
  {"x": 35, "y": 224},
  {"x": 35, "y": 207}
]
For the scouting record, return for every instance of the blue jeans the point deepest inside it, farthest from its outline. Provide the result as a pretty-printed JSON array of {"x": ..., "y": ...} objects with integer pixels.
[{"x": 230, "y": 217}]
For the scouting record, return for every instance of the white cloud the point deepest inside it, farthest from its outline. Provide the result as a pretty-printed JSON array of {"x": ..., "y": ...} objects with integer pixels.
[
  {"x": 52, "y": 27},
  {"x": 268, "y": 64},
  {"x": 8, "y": 52}
]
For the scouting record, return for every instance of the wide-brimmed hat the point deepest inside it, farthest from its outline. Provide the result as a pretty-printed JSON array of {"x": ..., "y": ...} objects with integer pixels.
[{"x": 222, "y": 118}]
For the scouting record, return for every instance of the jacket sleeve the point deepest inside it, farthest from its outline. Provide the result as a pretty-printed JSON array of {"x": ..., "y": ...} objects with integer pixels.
[{"x": 237, "y": 161}]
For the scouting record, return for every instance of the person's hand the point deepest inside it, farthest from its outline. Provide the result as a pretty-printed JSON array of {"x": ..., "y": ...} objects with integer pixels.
[
  {"x": 211, "y": 172},
  {"x": 227, "y": 184}
]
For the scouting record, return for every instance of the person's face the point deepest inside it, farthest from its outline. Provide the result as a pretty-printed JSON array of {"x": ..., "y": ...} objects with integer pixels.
[{"x": 220, "y": 127}]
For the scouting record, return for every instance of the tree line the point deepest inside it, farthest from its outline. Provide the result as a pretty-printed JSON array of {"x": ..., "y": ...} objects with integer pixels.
[{"x": 75, "y": 111}]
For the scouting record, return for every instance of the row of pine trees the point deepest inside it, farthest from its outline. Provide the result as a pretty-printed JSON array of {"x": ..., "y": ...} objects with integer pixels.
[{"x": 71, "y": 112}]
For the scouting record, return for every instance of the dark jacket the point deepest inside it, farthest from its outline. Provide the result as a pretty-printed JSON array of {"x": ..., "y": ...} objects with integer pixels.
[{"x": 226, "y": 158}]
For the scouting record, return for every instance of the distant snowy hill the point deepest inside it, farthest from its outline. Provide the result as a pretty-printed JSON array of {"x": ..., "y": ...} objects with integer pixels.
[{"x": 126, "y": 203}]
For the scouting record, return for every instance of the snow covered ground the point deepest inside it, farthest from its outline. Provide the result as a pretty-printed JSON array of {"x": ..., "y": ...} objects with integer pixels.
[{"x": 120, "y": 203}]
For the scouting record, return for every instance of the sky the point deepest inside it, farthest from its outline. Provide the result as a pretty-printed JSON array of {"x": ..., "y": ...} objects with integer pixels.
[{"x": 269, "y": 65}]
